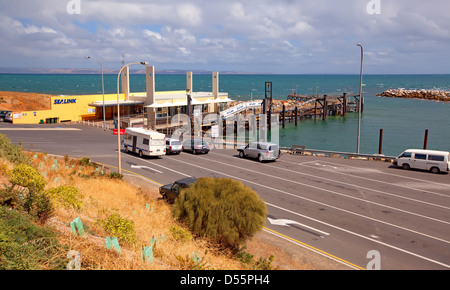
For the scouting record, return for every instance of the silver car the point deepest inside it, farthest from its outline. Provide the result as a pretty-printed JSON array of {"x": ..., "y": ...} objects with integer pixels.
[
  {"x": 173, "y": 146},
  {"x": 261, "y": 150}
]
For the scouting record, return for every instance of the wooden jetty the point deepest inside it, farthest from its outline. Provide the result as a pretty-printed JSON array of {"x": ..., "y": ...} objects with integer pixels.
[
  {"x": 294, "y": 109},
  {"x": 316, "y": 107}
]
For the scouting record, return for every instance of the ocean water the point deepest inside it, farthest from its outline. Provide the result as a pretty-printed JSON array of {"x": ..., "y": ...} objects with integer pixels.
[{"x": 403, "y": 121}]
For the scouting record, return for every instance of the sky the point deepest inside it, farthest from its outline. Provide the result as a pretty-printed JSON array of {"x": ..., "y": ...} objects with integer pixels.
[{"x": 254, "y": 36}]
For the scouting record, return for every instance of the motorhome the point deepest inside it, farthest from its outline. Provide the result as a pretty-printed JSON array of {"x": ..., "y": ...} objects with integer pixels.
[
  {"x": 432, "y": 160},
  {"x": 144, "y": 142}
]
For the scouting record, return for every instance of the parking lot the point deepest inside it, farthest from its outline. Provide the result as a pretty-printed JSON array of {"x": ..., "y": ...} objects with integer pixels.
[{"x": 357, "y": 212}]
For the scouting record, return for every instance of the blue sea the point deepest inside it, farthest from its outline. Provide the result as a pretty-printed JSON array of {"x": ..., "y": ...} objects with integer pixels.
[{"x": 403, "y": 121}]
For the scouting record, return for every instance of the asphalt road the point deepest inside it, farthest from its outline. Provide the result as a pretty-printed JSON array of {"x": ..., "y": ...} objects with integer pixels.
[{"x": 361, "y": 213}]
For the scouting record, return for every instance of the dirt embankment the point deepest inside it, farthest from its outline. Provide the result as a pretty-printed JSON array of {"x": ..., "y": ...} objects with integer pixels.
[{"x": 18, "y": 101}]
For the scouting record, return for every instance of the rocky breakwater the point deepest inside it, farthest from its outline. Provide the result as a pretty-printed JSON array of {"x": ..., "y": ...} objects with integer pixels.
[{"x": 433, "y": 95}]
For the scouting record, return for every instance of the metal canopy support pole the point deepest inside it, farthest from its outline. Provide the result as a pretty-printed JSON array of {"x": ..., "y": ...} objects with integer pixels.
[{"x": 268, "y": 98}]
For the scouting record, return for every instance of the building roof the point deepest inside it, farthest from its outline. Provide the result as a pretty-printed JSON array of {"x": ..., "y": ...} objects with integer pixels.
[
  {"x": 114, "y": 103},
  {"x": 167, "y": 99}
]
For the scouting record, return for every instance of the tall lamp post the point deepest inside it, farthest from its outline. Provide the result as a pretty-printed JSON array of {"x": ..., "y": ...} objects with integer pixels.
[
  {"x": 103, "y": 92},
  {"x": 118, "y": 112},
  {"x": 360, "y": 100}
]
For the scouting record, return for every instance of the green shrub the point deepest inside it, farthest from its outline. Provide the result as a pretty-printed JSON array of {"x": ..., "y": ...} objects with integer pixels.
[
  {"x": 222, "y": 209},
  {"x": 26, "y": 246},
  {"x": 26, "y": 176},
  {"x": 180, "y": 234},
  {"x": 121, "y": 228},
  {"x": 11, "y": 198},
  {"x": 11, "y": 152},
  {"x": 25, "y": 193},
  {"x": 115, "y": 175},
  {"x": 247, "y": 261},
  {"x": 66, "y": 196}
]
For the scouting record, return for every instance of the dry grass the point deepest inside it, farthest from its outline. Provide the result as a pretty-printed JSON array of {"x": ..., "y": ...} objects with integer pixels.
[
  {"x": 20, "y": 101},
  {"x": 152, "y": 217}
]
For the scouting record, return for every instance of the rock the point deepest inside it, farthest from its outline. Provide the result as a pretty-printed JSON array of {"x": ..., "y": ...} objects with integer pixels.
[{"x": 417, "y": 94}]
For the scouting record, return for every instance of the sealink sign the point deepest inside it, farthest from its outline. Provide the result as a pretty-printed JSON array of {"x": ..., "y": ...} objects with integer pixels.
[{"x": 64, "y": 101}]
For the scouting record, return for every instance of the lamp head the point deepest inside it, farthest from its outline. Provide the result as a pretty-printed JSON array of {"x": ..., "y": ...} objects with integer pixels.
[
  {"x": 87, "y": 57},
  {"x": 144, "y": 63}
]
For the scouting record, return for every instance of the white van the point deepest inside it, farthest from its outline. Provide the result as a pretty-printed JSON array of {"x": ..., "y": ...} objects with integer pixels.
[
  {"x": 144, "y": 142},
  {"x": 435, "y": 161}
]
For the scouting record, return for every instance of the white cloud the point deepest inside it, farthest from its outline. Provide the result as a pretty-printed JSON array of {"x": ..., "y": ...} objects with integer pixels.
[
  {"x": 287, "y": 36},
  {"x": 150, "y": 34}
]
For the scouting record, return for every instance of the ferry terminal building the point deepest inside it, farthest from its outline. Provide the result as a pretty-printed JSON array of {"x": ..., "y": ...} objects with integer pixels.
[{"x": 150, "y": 108}]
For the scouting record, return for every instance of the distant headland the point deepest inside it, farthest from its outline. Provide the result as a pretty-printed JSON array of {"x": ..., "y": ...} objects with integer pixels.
[{"x": 432, "y": 95}]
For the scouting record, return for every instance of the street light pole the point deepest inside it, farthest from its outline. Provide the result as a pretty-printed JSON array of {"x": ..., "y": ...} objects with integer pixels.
[
  {"x": 118, "y": 113},
  {"x": 360, "y": 100},
  {"x": 103, "y": 92}
]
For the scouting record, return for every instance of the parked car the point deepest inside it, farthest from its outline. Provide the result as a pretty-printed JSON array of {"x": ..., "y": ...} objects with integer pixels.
[
  {"x": 9, "y": 117},
  {"x": 196, "y": 146},
  {"x": 432, "y": 160},
  {"x": 171, "y": 191},
  {"x": 3, "y": 114},
  {"x": 173, "y": 146},
  {"x": 261, "y": 150}
]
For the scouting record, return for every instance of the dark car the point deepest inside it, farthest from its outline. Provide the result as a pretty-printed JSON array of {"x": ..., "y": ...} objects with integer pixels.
[
  {"x": 196, "y": 146},
  {"x": 3, "y": 114},
  {"x": 172, "y": 190}
]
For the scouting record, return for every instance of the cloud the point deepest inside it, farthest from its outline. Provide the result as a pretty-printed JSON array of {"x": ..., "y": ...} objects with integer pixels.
[
  {"x": 150, "y": 33},
  {"x": 284, "y": 36}
]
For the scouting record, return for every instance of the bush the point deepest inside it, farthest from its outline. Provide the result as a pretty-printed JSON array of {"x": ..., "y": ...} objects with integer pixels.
[
  {"x": 180, "y": 234},
  {"x": 66, "y": 195},
  {"x": 121, "y": 228},
  {"x": 26, "y": 176},
  {"x": 25, "y": 193},
  {"x": 25, "y": 246},
  {"x": 247, "y": 261},
  {"x": 11, "y": 152},
  {"x": 222, "y": 209}
]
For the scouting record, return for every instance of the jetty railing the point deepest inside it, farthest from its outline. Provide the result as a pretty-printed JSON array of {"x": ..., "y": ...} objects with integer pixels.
[{"x": 302, "y": 149}]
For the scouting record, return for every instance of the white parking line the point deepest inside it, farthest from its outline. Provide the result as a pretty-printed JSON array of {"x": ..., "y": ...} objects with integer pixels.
[
  {"x": 354, "y": 185},
  {"x": 166, "y": 168},
  {"x": 380, "y": 181},
  {"x": 330, "y": 225},
  {"x": 341, "y": 194}
]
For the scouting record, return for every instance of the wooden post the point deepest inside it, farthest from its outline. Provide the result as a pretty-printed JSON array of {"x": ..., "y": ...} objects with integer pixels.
[
  {"x": 344, "y": 105},
  {"x": 324, "y": 108},
  {"x": 296, "y": 114},
  {"x": 315, "y": 110},
  {"x": 380, "y": 143},
  {"x": 284, "y": 115},
  {"x": 425, "y": 141}
]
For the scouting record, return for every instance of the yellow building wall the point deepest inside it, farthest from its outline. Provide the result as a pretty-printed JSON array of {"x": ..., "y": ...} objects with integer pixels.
[{"x": 65, "y": 108}]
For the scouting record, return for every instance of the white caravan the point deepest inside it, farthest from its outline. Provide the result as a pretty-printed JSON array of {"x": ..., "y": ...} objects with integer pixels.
[
  {"x": 435, "y": 161},
  {"x": 144, "y": 142}
]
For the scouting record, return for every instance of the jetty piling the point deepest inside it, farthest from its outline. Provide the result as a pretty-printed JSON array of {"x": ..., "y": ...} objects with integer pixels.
[
  {"x": 425, "y": 140},
  {"x": 380, "y": 143}
]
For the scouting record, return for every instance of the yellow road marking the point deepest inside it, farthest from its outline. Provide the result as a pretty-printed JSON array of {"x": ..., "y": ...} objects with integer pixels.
[
  {"x": 267, "y": 229},
  {"x": 151, "y": 180},
  {"x": 315, "y": 249}
]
